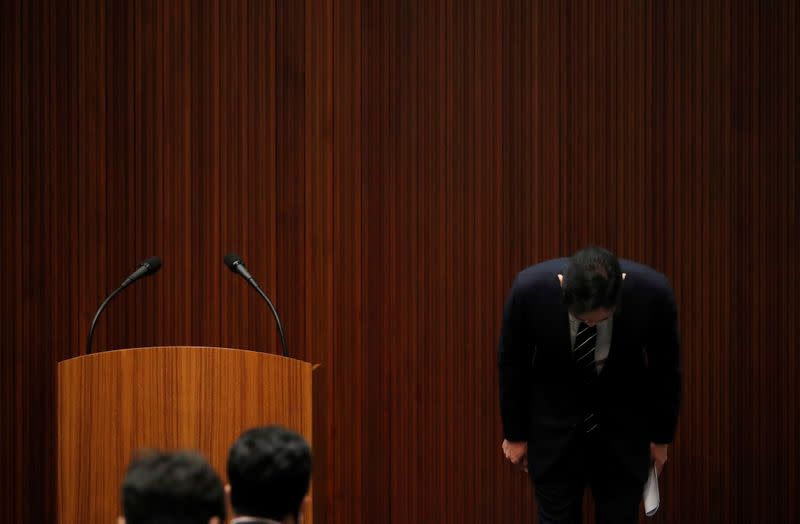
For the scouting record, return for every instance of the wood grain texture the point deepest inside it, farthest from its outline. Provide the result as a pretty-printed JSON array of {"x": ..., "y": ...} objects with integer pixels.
[
  {"x": 112, "y": 404},
  {"x": 385, "y": 168}
]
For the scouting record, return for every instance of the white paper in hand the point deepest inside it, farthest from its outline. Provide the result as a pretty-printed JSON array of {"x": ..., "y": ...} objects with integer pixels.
[{"x": 650, "y": 497}]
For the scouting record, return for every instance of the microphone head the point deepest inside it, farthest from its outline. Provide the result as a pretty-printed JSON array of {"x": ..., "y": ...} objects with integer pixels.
[
  {"x": 232, "y": 260},
  {"x": 153, "y": 264}
]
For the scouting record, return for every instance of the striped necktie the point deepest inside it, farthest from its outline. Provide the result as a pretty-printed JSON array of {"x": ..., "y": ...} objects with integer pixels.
[{"x": 583, "y": 351}]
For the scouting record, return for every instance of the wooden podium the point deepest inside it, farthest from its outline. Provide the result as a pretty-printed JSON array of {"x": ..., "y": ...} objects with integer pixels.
[{"x": 112, "y": 404}]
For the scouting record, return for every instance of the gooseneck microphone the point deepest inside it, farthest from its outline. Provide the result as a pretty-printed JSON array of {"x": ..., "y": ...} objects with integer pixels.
[
  {"x": 146, "y": 268},
  {"x": 235, "y": 264}
]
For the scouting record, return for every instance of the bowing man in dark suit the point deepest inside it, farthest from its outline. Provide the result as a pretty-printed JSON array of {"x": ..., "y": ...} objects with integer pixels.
[{"x": 590, "y": 382}]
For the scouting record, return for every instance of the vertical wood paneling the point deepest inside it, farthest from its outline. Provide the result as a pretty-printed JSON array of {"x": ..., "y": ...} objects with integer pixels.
[
  {"x": 385, "y": 168},
  {"x": 204, "y": 191},
  {"x": 290, "y": 147},
  {"x": 377, "y": 264},
  {"x": 318, "y": 242},
  {"x": 344, "y": 487},
  {"x": 11, "y": 302}
]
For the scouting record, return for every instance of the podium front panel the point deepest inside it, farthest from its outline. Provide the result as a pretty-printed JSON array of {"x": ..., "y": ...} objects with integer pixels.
[{"x": 111, "y": 405}]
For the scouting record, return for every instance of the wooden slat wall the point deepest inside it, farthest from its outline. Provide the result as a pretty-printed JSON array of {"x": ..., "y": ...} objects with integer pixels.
[{"x": 385, "y": 168}]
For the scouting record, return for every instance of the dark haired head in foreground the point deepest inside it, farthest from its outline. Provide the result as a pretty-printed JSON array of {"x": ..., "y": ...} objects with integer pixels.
[
  {"x": 172, "y": 488},
  {"x": 269, "y": 470}
]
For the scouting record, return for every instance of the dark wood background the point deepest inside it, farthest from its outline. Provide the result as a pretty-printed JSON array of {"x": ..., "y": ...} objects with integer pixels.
[{"x": 385, "y": 168}]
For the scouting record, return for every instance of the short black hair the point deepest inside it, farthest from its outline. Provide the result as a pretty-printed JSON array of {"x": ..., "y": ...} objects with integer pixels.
[
  {"x": 172, "y": 488},
  {"x": 593, "y": 280},
  {"x": 269, "y": 470}
]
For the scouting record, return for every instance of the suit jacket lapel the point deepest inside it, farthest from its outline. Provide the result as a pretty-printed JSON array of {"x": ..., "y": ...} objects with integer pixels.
[
  {"x": 617, "y": 329},
  {"x": 617, "y": 334},
  {"x": 564, "y": 338}
]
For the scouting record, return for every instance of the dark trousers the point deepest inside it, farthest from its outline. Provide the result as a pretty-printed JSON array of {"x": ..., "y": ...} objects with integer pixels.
[{"x": 588, "y": 461}]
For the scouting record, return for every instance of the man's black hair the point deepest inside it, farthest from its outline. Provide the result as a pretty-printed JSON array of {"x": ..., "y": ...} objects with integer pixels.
[
  {"x": 172, "y": 488},
  {"x": 593, "y": 280},
  {"x": 269, "y": 470}
]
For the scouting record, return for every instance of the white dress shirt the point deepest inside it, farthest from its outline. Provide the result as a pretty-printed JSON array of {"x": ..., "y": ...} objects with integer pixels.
[{"x": 603, "y": 339}]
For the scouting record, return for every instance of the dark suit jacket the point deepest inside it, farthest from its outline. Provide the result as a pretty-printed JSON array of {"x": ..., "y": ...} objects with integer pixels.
[{"x": 637, "y": 394}]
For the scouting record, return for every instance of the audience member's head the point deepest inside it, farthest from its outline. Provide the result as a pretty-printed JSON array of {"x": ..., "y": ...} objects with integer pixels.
[
  {"x": 269, "y": 470},
  {"x": 172, "y": 488}
]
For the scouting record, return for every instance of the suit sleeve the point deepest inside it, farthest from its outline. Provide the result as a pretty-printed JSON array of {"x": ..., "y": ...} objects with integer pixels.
[
  {"x": 664, "y": 368},
  {"x": 514, "y": 362}
]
